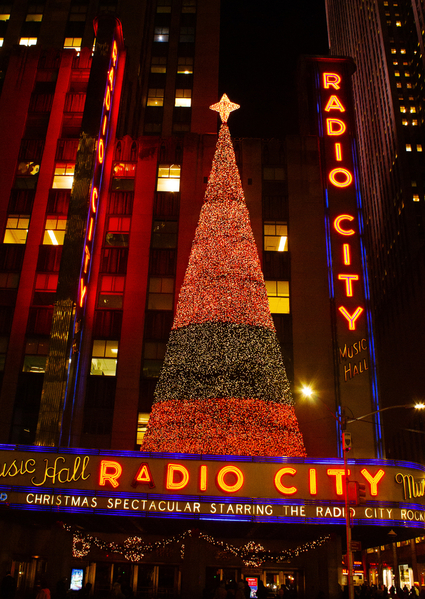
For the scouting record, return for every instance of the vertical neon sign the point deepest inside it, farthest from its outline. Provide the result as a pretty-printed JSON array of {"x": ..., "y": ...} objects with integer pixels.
[
  {"x": 98, "y": 174},
  {"x": 353, "y": 338}
]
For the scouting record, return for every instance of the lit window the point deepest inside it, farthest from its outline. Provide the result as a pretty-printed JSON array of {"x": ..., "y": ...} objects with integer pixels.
[
  {"x": 413, "y": 184},
  {"x": 111, "y": 293},
  {"x": 416, "y": 198},
  {"x": 31, "y": 17},
  {"x": 104, "y": 357},
  {"x": 159, "y": 64},
  {"x": 153, "y": 357},
  {"x": 409, "y": 85},
  {"x": 155, "y": 97},
  {"x": 398, "y": 23},
  {"x": 393, "y": 51},
  {"x": 398, "y": 85},
  {"x": 9, "y": 280},
  {"x": 118, "y": 231},
  {"x": 406, "y": 74},
  {"x": 73, "y": 43},
  {"x": 64, "y": 176},
  {"x": 183, "y": 97},
  {"x": 278, "y": 294},
  {"x": 36, "y": 351},
  {"x": 419, "y": 148},
  {"x": 408, "y": 148},
  {"x": 28, "y": 41},
  {"x": 54, "y": 232},
  {"x": 163, "y": 6},
  {"x": 275, "y": 237},
  {"x": 397, "y": 73},
  {"x": 271, "y": 173},
  {"x": 168, "y": 177},
  {"x": 414, "y": 122},
  {"x": 404, "y": 122},
  {"x": 16, "y": 229},
  {"x": 142, "y": 425},
  {"x": 402, "y": 108},
  {"x": 124, "y": 169},
  {"x": 4, "y": 16},
  {"x": 189, "y": 6},
  {"x": 160, "y": 295},
  {"x": 187, "y": 34},
  {"x": 403, "y": 51},
  {"x": 161, "y": 34},
  {"x": 164, "y": 234},
  {"x": 185, "y": 65},
  {"x": 1, "y": 41},
  {"x": 412, "y": 109}
]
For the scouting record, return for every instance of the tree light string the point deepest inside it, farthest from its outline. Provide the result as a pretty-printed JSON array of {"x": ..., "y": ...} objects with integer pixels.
[
  {"x": 134, "y": 549},
  {"x": 223, "y": 388}
]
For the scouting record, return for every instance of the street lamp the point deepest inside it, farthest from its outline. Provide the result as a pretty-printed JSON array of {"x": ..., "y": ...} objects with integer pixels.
[{"x": 308, "y": 392}]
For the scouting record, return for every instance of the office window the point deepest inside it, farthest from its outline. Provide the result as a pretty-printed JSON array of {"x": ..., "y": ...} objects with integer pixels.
[
  {"x": 408, "y": 147},
  {"x": 403, "y": 109},
  {"x": 118, "y": 230},
  {"x": 64, "y": 175},
  {"x": 416, "y": 197},
  {"x": 185, "y": 65},
  {"x": 153, "y": 357},
  {"x": 397, "y": 73},
  {"x": 9, "y": 280},
  {"x": 278, "y": 294},
  {"x": 189, "y": 6},
  {"x": 4, "y": 12},
  {"x": 407, "y": 74},
  {"x": 104, "y": 357},
  {"x": 155, "y": 97},
  {"x": 418, "y": 147},
  {"x": 398, "y": 85},
  {"x": 271, "y": 173},
  {"x": 46, "y": 282},
  {"x": 409, "y": 85},
  {"x": 159, "y": 64},
  {"x": 275, "y": 237},
  {"x": 187, "y": 34},
  {"x": 412, "y": 109},
  {"x": 111, "y": 292},
  {"x": 161, "y": 34},
  {"x": 160, "y": 293},
  {"x": 398, "y": 23},
  {"x": 142, "y": 425},
  {"x": 54, "y": 232},
  {"x": 1, "y": 41},
  {"x": 28, "y": 41},
  {"x": 163, "y": 6},
  {"x": 393, "y": 51},
  {"x": 168, "y": 177},
  {"x": 16, "y": 229},
  {"x": 78, "y": 13},
  {"x": 403, "y": 51},
  {"x": 404, "y": 122},
  {"x": 34, "y": 17},
  {"x": 35, "y": 358},
  {"x": 73, "y": 43},
  {"x": 164, "y": 234},
  {"x": 183, "y": 98}
]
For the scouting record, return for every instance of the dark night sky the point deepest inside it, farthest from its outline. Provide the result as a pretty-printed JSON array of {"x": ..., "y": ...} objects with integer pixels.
[{"x": 260, "y": 44}]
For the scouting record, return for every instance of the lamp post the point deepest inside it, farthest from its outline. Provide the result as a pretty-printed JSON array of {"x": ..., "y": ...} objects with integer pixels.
[{"x": 308, "y": 392}]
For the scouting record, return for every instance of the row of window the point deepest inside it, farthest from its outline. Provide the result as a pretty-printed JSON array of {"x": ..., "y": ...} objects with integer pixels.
[
  {"x": 183, "y": 97},
  {"x": 162, "y": 34},
  {"x": 184, "y": 65}
]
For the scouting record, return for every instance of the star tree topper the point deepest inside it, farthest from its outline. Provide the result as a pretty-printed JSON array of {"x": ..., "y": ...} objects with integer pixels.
[{"x": 224, "y": 107}]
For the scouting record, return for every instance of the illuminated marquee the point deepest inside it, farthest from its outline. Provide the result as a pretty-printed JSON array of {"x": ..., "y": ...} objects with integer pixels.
[
  {"x": 98, "y": 173},
  {"x": 279, "y": 490}
]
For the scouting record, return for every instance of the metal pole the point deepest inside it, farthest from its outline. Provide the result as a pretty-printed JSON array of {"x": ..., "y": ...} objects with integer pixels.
[{"x": 348, "y": 527}]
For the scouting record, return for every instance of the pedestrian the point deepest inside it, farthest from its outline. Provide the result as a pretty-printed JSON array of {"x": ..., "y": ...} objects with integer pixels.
[{"x": 8, "y": 587}]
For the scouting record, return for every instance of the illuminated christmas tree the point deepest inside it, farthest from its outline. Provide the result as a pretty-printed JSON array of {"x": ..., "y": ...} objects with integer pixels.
[{"x": 223, "y": 387}]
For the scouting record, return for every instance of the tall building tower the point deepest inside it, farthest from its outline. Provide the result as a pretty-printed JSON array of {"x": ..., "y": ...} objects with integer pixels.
[{"x": 385, "y": 38}]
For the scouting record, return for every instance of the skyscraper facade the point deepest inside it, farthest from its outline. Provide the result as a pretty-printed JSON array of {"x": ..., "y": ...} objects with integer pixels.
[{"x": 385, "y": 39}]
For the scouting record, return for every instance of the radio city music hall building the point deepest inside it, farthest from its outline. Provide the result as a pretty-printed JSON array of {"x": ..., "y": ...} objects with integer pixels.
[{"x": 98, "y": 227}]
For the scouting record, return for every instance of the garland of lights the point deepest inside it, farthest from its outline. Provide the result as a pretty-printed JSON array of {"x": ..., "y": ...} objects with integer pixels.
[
  {"x": 134, "y": 548},
  {"x": 223, "y": 388}
]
